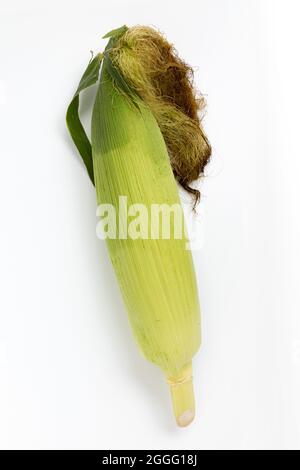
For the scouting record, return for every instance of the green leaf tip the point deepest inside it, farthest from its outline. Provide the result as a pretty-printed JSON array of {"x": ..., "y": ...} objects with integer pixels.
[
  {"x": 75, "y": 127},
  {"x": 116, "y": 33}
]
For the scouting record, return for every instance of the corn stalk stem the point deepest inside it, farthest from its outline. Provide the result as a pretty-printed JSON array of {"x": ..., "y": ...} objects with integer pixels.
[{"x": 182, "y": 393}]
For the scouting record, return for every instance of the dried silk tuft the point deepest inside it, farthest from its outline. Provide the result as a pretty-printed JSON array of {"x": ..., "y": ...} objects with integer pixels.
[{"x": 151, "y": 66}]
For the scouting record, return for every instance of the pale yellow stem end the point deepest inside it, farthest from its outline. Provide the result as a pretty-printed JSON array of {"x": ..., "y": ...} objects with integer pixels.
[{"x": 182, "y": 392}]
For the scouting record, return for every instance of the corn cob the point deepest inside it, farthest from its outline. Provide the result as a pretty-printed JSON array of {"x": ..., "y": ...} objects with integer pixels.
[{"x": 141, "y": 143}]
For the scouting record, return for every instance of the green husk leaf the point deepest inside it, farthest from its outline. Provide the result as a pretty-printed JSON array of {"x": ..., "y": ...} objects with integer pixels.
[
  {"x": 119, "y": 80},
  {"x": 76, "y": 129},
  {"x": 115, "y": 33},
  {"x": 113, "y": 71}
]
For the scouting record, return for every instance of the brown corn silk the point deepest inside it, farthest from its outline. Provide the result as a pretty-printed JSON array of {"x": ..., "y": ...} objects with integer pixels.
[{"x": 151, "y": 66}]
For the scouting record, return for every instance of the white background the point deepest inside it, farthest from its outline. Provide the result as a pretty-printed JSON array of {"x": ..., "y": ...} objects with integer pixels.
[{"x": 70, "y": 373}]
